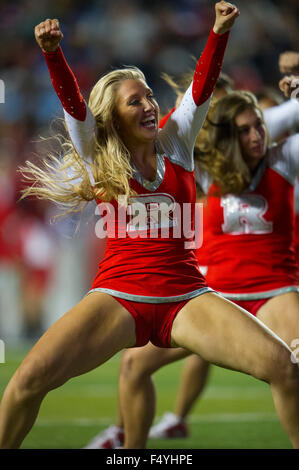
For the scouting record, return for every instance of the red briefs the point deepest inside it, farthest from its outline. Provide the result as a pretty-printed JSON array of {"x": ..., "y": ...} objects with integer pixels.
[
  {"x": 153, "y": 321},
  {"x": 252, "y": 306}
]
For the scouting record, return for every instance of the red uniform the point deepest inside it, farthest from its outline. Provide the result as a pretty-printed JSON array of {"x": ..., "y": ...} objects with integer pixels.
[
  {"x": 138, "y": 266},
  {"x": 250, "y": 238},
  {"x": 282, "y": 120}
]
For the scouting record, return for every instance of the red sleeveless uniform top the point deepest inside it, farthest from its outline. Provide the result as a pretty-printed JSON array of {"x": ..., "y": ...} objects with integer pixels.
[
  {"x": 141, "y": 262},
  {"x": 249, "y": 238}
]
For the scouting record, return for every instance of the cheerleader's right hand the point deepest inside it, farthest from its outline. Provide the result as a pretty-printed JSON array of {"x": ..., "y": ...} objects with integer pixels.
[{"x": 48, "y": 35}]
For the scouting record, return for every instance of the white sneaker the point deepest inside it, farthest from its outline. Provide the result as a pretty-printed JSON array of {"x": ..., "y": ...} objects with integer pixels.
[
  {"x": 110, "y": 438},
  {"x": 170, "y": 426}
]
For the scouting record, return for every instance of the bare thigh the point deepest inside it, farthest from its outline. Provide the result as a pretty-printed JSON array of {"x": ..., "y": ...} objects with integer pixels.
[
  {"x": 227, "y": 335},
  {"x": 85, "y": 337},
  {"x": 281, "y": 314}
]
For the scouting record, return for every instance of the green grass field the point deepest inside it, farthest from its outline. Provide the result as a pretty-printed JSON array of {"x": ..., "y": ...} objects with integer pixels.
[{"x": 234, "y": 412}]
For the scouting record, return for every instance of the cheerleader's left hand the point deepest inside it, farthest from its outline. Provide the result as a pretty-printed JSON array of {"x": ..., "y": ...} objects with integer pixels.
[
  {"x": 289, "y": 85},
  {"x": 226, "y": 15}
]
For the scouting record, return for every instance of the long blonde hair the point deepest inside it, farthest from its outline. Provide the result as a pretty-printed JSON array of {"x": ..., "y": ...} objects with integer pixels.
[
  {"x": 218, "y": 148},
  {"x": 110, "y": 165}
]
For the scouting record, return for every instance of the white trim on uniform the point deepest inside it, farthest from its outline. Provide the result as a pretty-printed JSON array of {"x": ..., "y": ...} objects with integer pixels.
[
  {"x": 260, "y": 295},
  {"x": 150, "y": 299}
]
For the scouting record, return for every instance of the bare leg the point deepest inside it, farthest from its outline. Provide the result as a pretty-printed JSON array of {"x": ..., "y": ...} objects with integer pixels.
[
  {"x": 137, "y": 392},
  {"x": 193, "y": 379},
  {"x": 281, "y": 314},
  {"x": 230, "y": 337},
  {"x": 88, "y": 335},
  {"x": 119, "y": 415}
]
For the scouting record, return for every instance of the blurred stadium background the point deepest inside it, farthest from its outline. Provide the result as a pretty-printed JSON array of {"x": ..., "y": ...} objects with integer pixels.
[{"x": 46, "y": 268}]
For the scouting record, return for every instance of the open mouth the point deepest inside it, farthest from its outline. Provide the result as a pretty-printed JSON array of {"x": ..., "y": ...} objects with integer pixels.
[
  {"x": 149, "y": 122},
  {"x": 258, "y": 148}
]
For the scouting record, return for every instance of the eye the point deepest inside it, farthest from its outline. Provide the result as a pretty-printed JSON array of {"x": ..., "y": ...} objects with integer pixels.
[
  {"x": 133, "y": 102},
  {"x": 243, "y": 130},
  {"x": 151, "y": 96}
]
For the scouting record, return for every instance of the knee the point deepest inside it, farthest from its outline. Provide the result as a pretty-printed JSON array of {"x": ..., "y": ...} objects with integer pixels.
[
  {"x": 30, "y": 379},
  {"x": 133, "y": 368},
  {"x": 197, "y": 363},
  {"x": 290, "y": 375},
  {"x": 285, "y": 370}
]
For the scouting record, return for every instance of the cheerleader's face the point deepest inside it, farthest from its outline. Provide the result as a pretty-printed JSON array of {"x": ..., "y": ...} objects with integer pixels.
[
  {"x": 137, "y": 113},
  {"x": 252, "y": 136}
]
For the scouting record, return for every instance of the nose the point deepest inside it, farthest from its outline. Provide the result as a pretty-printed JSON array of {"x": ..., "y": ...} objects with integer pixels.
[
  {"x": 148, "y": 105},
  {"x": 255, "y": 136}
]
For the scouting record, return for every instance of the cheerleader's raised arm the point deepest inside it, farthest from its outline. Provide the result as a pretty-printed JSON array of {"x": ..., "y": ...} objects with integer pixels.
[{"x": 79, "y": 119}]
